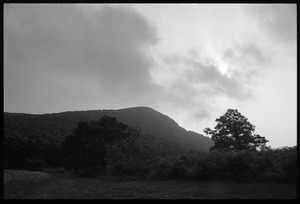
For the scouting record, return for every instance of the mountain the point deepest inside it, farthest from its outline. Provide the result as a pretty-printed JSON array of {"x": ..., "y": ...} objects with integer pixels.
[{"x": 151, "y": 123}]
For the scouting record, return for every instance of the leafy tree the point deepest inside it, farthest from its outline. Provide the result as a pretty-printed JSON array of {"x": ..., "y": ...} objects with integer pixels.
[
  {"x": 234, "y": 132},
  {"x": 88, "y": 146},
  {"x": 22, "y": 152},
  {"x": 15, "y": 149}
]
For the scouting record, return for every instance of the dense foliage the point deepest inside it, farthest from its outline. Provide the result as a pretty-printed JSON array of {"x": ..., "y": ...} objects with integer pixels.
[
  {"x": 32, "y": 153},
  {"x": 32, "y": 144},
  {"x": 124, "y": 152},
  {"x": 234, "y": 132},
  {"x": 98, "y": 143},
  {"x": 268, "y": 165}
]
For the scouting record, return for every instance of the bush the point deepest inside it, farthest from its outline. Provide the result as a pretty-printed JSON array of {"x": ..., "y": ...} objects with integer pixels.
[
  {"x": 90, "y": 172},
  {"x": 241, "y": 166},
  {"x": 34, "y": 164},
  {"x": 268, "y": 165},
  {"x": 284, "y": 162},
  {"x": 212, "y": 165},
  {"x": 176, "y": 166},
  {"x": 52, "y": 170}
]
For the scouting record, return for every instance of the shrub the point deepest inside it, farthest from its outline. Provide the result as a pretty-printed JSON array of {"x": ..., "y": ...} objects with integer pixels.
[
  {"x": 176, "y": 166},
  {"x": 211, "y": 165},
  {"x": 241, "y": 166},
  {"x": 34, "y": 164},
  {"x": 90, "y": 172}
]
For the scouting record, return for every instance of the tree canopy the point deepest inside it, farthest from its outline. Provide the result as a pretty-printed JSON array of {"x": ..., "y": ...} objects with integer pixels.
[
  {"x": 234, "y": 132},
  {"x": 31, "y": 153},
  {"x": 89, "y": 145}
]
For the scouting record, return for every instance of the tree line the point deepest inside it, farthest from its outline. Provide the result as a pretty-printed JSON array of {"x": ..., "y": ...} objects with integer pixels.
[{"x": 108, "y": 145}]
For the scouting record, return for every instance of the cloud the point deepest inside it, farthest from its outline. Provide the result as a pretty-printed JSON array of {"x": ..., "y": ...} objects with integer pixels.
[
  {"x": 198, "y": 85},
  {"x": 212, "y": 80},
  {"x": 191, "y": 89},
  {"x": 247, "y": 52},
  {"x": 246, "y": 61},
  {"x": 108, "y": 46},
  {"x": 278, "y": 20},
  {"x": 196, "y": 78}
]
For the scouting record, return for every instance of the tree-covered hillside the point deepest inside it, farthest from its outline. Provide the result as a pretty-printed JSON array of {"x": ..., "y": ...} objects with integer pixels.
[{"x": 147, "y": 120}]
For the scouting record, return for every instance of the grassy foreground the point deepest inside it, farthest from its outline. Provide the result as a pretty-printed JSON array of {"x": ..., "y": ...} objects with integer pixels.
[{"x": 63, "y": 186}]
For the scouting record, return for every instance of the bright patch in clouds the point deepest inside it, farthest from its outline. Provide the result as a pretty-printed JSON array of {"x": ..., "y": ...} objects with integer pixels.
[{"x": 191, "y": 62}]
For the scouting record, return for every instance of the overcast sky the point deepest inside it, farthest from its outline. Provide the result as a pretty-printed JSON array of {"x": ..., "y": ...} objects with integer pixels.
[{"x": 191, "y": 62}]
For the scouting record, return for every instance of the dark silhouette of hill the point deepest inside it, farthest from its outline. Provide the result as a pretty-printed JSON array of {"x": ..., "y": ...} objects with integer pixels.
[{"x": 157, "y": 128}]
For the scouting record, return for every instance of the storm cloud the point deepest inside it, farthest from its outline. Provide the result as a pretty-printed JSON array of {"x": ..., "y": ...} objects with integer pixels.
[{"x": 54, "y": 44}]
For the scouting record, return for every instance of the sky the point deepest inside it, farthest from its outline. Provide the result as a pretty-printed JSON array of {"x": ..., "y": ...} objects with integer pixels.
[{"x": 191, "y": 62}]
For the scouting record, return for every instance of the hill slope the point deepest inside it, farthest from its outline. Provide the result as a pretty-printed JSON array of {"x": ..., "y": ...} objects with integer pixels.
[{"x": 149, "y": 121}]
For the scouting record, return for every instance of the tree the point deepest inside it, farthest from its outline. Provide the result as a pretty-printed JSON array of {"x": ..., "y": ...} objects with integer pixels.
[
  {"x": 32, "y": 153},
  {"x": 16, "y": 148},
  {"x": 88, "y": 146},
  {"x": 234, "y": 132}
]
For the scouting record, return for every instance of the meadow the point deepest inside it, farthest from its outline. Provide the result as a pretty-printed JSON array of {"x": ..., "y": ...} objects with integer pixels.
[{"x": 66, "y": 186}]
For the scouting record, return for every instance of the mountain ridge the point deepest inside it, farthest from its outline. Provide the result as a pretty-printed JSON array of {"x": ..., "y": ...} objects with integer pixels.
[{"x": 146, "y": 119}]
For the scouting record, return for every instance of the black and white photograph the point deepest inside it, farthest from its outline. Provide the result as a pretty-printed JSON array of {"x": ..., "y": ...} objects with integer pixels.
[{"x": 150, "y": 101}]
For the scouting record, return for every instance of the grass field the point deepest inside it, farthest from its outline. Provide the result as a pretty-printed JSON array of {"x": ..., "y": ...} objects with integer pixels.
[{"x": 62, "y": 186}]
